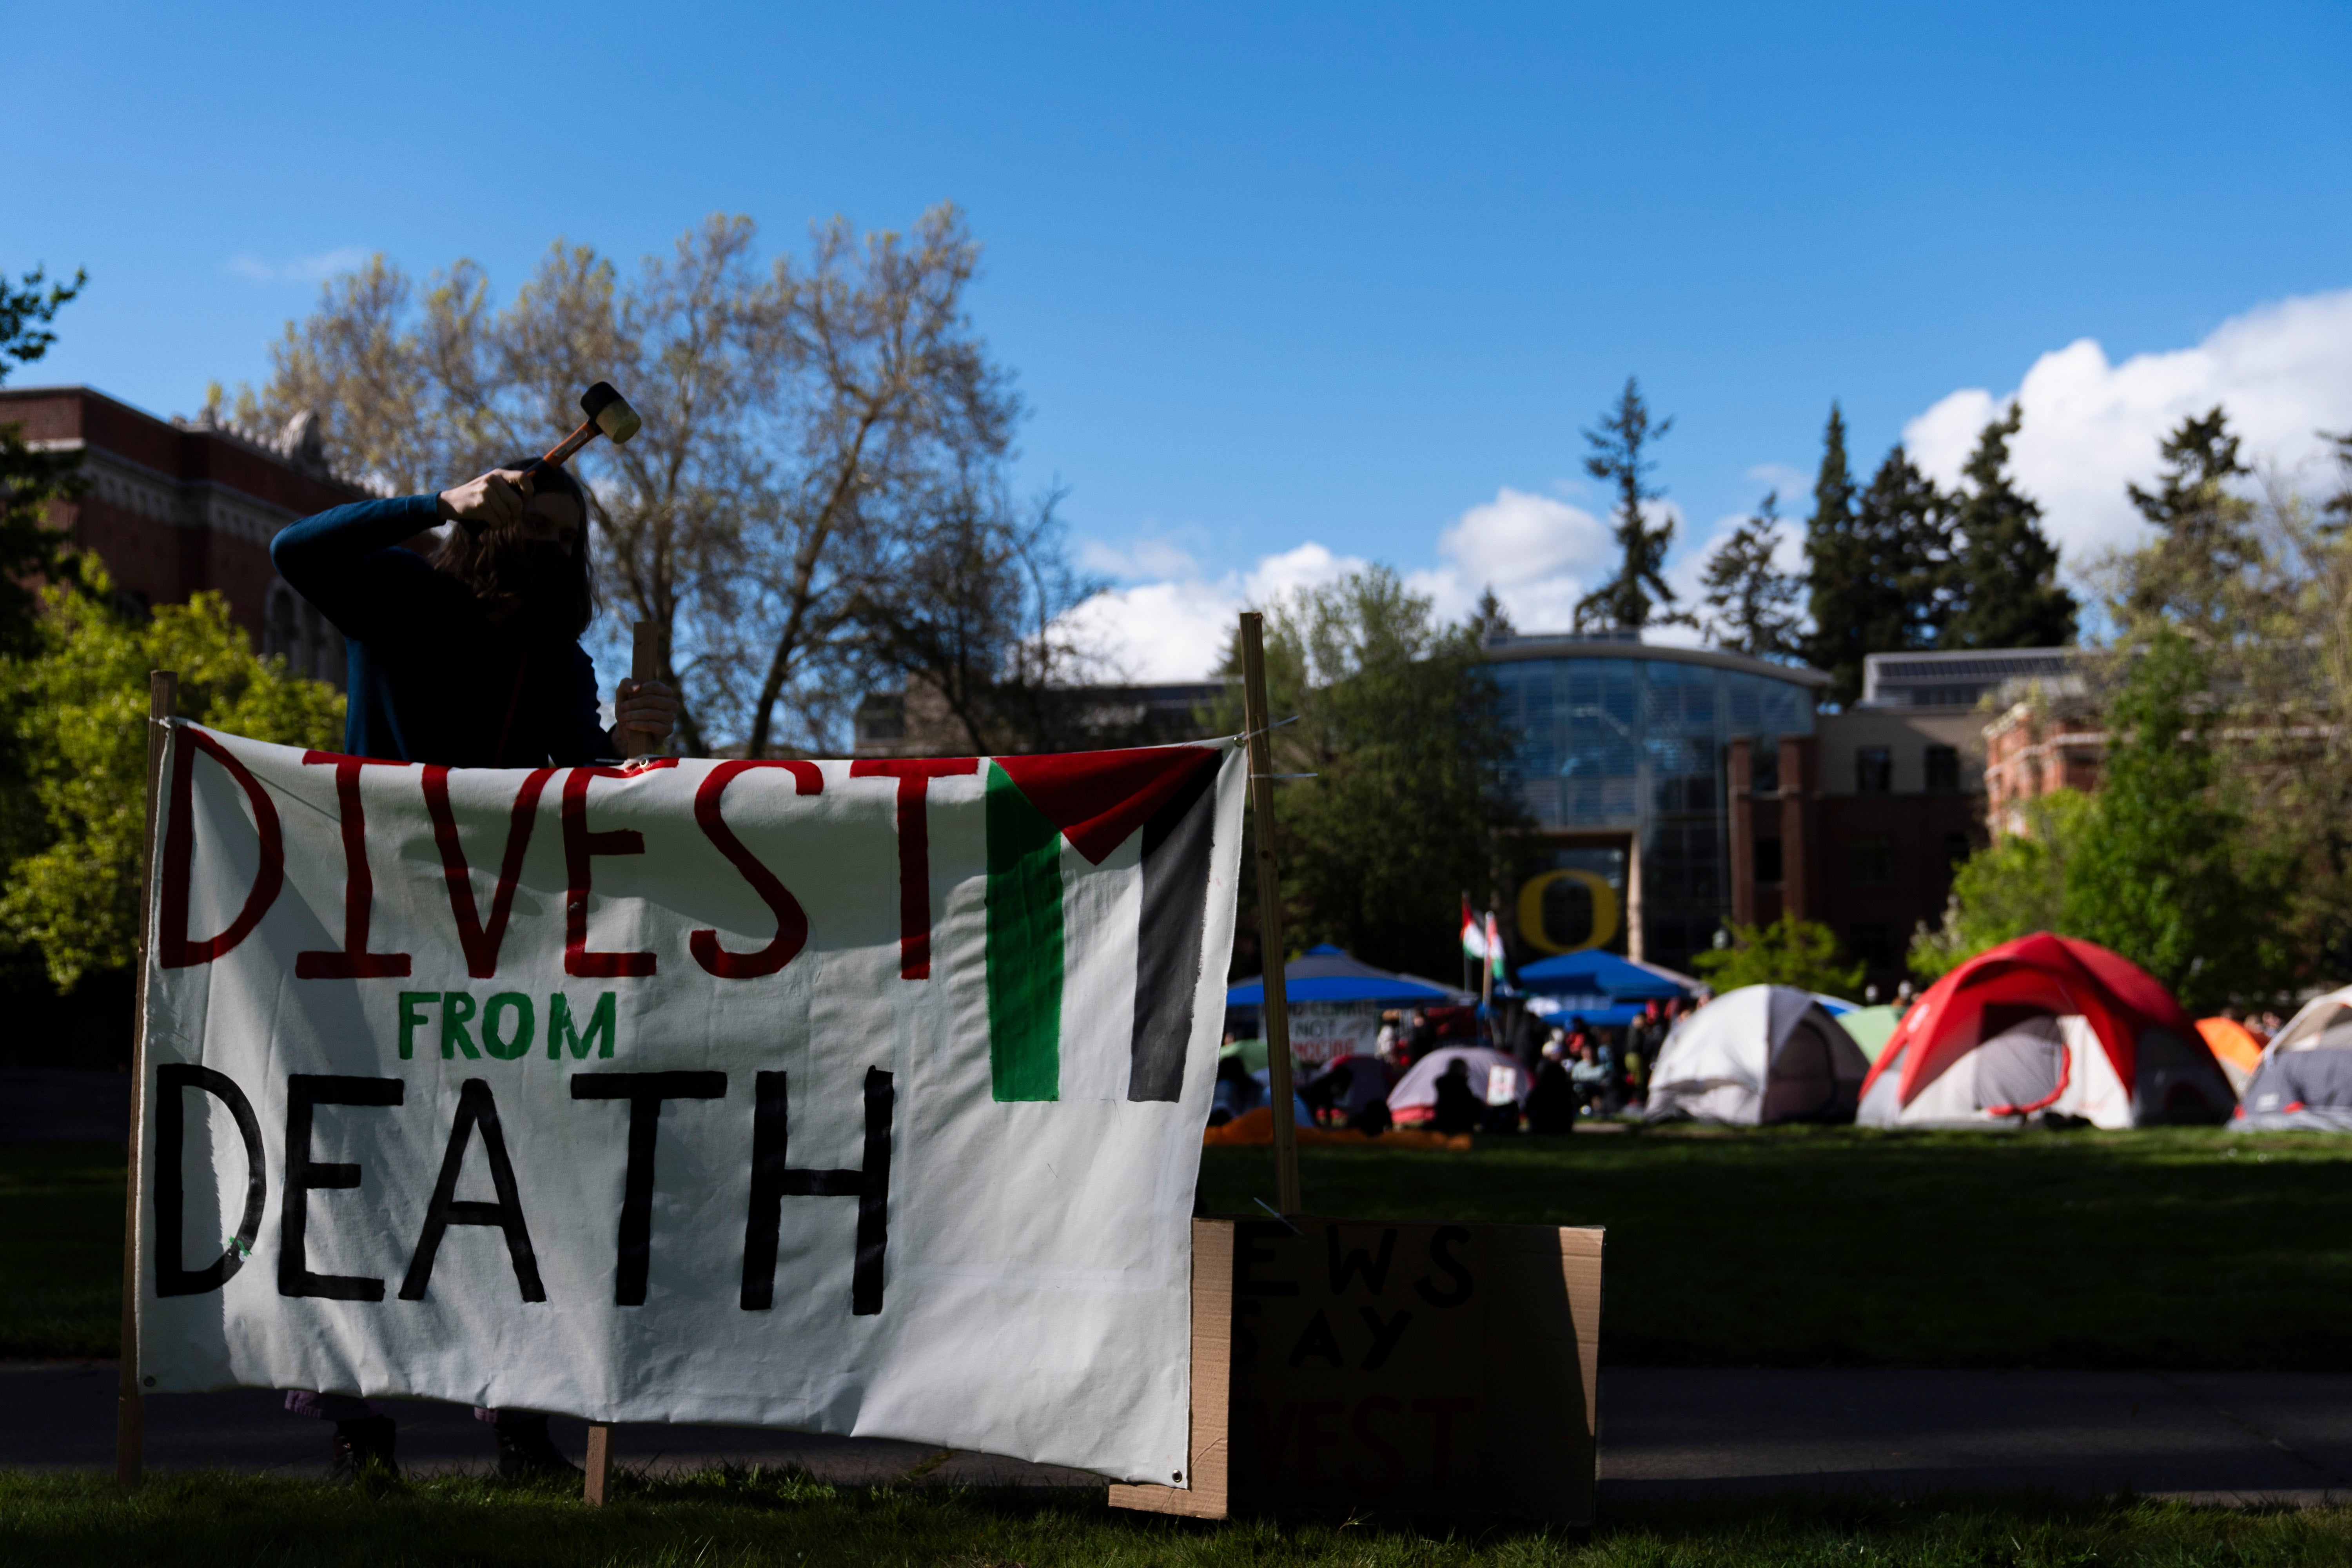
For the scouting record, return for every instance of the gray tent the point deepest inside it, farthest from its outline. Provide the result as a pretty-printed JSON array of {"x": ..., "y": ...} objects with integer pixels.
[
  {"x": 1761, "y": 1054},
  {"x": 2304, "y": 1079}
]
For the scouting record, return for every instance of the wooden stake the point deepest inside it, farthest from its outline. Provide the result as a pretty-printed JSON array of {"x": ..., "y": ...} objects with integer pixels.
[
  {"x": 600, "y": 1464},
  {"x": 644, "y": 664},
  {"x": 130, "y": 1404},
  {"x": 1269, "y": 910}
]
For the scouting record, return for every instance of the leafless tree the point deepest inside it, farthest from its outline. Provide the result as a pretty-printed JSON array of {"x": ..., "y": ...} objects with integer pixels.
[{"x": 813, "y": 430}]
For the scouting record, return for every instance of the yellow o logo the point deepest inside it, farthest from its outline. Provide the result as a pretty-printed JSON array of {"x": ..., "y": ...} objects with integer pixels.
[{"x": 1532, "y": 930}]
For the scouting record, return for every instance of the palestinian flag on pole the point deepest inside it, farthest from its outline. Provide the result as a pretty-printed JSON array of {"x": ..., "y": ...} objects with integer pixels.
[
  {"x": 1109, "y": 848},
  {"x": 1473, "y": 937}
]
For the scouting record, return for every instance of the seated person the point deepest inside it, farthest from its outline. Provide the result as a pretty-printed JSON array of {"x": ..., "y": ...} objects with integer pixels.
[
  {"x": 1588, "y": 1078},
  {"x": 1458, "y": 1108},
  {"x": 1236, "y": 1092},
  {"x": 1551, "y": 1104}
]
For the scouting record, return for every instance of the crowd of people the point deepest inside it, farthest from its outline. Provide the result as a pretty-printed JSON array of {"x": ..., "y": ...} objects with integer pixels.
[{"x": 1573, "y": 1072}]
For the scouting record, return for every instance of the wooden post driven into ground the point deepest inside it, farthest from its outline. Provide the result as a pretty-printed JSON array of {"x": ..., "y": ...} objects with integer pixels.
[
  {"x": 130, "y": 1405},
  {"x": 1269, "y": 910}
]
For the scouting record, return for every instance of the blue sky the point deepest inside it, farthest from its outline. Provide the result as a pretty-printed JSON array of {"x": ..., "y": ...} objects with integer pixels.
[{"x": 1287, "y": 287}]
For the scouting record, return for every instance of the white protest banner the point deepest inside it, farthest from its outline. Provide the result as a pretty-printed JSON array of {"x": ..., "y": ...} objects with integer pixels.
[{"x": 854, "y": 1097}]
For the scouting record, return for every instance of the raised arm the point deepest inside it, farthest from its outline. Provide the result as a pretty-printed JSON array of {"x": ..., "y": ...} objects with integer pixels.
[{"x": 326, "y": 557}]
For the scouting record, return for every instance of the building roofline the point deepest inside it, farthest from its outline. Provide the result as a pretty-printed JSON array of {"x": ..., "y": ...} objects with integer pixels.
[
  {"x": 1955, "y": 655},
  {"x": 1568, "y": 645}
]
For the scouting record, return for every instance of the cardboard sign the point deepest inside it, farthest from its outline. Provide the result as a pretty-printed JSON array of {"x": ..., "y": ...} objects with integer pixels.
[
  {"x": 854, "y": 1097},
  {"x": 1344, "y": 1368},
  {"x": 1324, "y": 1031}
]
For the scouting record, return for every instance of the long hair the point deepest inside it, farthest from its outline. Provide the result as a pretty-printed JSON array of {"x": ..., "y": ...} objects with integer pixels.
[{"x": 532, "y": 586}]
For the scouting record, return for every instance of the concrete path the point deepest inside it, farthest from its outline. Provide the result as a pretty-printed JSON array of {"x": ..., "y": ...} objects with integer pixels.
[
  {"x": 2214, "y": 1437},
  {"x": 40, "y": 1105}
]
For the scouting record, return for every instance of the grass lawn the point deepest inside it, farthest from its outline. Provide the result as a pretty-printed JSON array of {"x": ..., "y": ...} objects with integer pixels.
[
  {"x": 2192, "y": 1248},
  {"x": 723, "y": 1518},
  {"x": 61, "y": 1215},
  {"x": 2176, "y": 1248}
]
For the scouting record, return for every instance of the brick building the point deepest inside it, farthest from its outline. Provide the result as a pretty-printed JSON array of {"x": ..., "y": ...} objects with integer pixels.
[{"x": 174, "y": 507}]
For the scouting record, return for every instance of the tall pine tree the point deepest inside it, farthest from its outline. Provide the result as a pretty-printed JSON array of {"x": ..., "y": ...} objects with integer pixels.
[
  {"x": 1751, "y": 604},
  {"x": 1880, "y": 564},
  {"x": 2205, "y": 553},
  {"x": 2009, "y": 592},
  {"x": 1906, "y": 523},
  {"x": 1638, "y": 595}
]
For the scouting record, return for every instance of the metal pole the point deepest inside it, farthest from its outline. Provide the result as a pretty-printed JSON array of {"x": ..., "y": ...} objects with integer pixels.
[
  {"x": 1269, "y": 910},
  {"x": 130, "y": 1405}
]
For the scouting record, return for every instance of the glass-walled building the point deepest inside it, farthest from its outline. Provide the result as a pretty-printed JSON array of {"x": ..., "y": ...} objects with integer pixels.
[{"x": 1622, "y": 767}]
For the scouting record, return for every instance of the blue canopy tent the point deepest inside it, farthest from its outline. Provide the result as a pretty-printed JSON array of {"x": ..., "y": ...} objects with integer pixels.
[
  {"x": 1596, "y": 1011},
  {"x": 1327, "y": 974},
  {"x": 1596, "y": 973}
]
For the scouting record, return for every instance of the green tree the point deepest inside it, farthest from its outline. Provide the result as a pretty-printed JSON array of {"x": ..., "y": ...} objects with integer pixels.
[
  {"x": 1489, "y": 619},
  {"x": 1403, "y": 731},
  {"x": 1839, "y": 585},
  {"x": 1637, "y": 595},
  {"x": 2014, "y": 887},
  {"x": 2206, "y": 557},
  {"x": 2165, "y": 873},
  {"x": 2337, "y": 509},
  {"x": 29, "y": 480},
  {"x": 2009, "y": 591},
  {"x": 1881, "y": 564},
  {"x": 1751, "y": 604},
  {"x": 78, "y": 701},
  {"x": 1789, "y": 951}
]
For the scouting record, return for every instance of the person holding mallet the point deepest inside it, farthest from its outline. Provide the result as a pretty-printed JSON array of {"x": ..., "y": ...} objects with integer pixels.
[{"x": 471, "y": 658}]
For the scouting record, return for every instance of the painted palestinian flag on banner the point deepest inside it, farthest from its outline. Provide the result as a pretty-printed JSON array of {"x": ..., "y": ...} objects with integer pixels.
[{"x": 1158, "y": 808}]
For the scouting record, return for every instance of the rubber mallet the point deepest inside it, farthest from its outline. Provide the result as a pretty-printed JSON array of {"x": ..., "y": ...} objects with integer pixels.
[{"x": 609, "y": 415}]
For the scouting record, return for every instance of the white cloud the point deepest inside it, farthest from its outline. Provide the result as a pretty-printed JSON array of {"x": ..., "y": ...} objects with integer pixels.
[
  {"x": 1178, "y": 628},
  {"x": 1540, "y": 556},
  {"x": 1780, "y": 477},
  {"x": 2283, "y": 370},
  {"x": 298, "y": 269}
]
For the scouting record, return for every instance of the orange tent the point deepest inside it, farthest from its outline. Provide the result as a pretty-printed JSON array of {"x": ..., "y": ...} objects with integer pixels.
[{"x": 2235, "y": 1047}]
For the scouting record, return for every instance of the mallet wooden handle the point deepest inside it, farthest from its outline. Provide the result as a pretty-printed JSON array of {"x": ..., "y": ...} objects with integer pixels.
[{"x": 561, "y": 452}]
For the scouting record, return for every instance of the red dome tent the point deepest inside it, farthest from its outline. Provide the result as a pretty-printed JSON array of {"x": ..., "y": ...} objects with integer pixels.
[{"x": 2045, "y": 1026}]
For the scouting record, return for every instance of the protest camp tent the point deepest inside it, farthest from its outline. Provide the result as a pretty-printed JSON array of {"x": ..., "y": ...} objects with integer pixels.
[
  {"x": 1328, "y": 974},
  {"x": 2045, "y": 1026},
  {"x": 1414, "y": 1099},
  {"x": 1604, "y": 974},
  {"x": 2235, "y": 1047},
  {"x": 1601, "y": 989},
  {"x": 1759, "y": 1055},
  {"x": 2305, "y": 1077},
  {"x": 1870, "y": 1026}
]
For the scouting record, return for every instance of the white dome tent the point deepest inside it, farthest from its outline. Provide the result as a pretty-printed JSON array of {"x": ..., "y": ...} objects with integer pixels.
[
  {"x": 2304, "y": 1079},
  {"x": 1760, "y": 1055}
]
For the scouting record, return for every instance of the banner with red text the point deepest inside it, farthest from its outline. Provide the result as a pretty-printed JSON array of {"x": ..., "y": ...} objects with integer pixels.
[{"x": 854, "y": 1097}]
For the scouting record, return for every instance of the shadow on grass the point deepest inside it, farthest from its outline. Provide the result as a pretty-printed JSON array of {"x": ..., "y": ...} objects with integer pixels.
[{"x": 770, "y": 1517}]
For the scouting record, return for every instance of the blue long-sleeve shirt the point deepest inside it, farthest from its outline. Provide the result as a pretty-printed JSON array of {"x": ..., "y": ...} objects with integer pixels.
[{"x": 430, "y": 680}]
